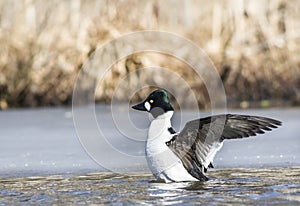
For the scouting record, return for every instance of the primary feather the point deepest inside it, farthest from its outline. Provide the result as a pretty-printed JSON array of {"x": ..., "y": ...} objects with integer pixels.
[{"x": 200, "y": 139}]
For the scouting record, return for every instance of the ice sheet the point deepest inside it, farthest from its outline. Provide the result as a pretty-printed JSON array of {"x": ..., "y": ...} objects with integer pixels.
[{"x": 44, "y": 141}]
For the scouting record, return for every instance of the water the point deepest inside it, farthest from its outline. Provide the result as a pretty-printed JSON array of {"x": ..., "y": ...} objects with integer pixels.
[
  {"x": 43, "y": 162},
  {"x": 276, "y": 186}
]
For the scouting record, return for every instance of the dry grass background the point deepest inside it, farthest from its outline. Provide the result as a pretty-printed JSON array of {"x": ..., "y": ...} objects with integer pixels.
[{"x": 254, "y": 44}]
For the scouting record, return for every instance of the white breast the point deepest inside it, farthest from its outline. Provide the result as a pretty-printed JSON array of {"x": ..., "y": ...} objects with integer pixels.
[{"x": 163, "y": 163}]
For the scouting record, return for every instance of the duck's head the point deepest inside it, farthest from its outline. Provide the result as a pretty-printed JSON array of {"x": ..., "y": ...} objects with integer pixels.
[{"x": 156, "y": 103}]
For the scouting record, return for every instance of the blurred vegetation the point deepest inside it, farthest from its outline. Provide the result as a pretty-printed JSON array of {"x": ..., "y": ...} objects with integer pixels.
[{"x": 255, "y": 46}]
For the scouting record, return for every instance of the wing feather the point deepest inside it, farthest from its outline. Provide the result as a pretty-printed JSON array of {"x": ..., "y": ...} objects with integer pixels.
[{"x": 200, "y": 139}]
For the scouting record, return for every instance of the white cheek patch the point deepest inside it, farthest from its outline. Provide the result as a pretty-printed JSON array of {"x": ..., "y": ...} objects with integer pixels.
[{"x": 147, "y": 106}]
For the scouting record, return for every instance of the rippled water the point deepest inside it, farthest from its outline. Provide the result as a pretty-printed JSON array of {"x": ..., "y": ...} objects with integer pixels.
[{"x": 253, "y": 186}]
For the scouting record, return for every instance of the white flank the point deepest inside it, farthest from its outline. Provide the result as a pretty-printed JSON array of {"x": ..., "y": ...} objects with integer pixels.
[{"x": 163, "y": 163}]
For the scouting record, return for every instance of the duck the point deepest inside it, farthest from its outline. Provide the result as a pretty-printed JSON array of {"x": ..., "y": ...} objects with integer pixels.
[{"x": 187, "y": 155}]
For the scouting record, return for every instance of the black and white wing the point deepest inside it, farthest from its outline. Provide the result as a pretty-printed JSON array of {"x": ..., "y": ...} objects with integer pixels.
[{"x": 200, "y": 139}]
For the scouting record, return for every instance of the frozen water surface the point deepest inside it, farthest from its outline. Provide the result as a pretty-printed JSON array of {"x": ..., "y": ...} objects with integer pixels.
[{"x": 44, "y": 141}]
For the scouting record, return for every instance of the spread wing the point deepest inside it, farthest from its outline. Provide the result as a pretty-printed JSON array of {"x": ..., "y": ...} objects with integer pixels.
[{"x": 200, "y": 139}]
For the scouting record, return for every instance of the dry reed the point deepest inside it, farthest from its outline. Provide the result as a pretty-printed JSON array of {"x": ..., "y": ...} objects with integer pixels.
[{"x": 254, "y": 44}]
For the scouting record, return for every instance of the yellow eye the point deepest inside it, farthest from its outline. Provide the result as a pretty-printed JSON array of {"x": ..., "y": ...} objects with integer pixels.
[{"x": 151, "y": 101}]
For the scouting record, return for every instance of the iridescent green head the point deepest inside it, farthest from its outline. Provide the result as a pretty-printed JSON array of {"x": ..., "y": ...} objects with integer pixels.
[{"x": 156, "y": 103}]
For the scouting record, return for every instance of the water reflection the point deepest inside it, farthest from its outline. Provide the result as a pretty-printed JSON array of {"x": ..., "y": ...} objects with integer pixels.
[
  {"x": 232, "y": 186},
  {"x": 236, "y": 186}
]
